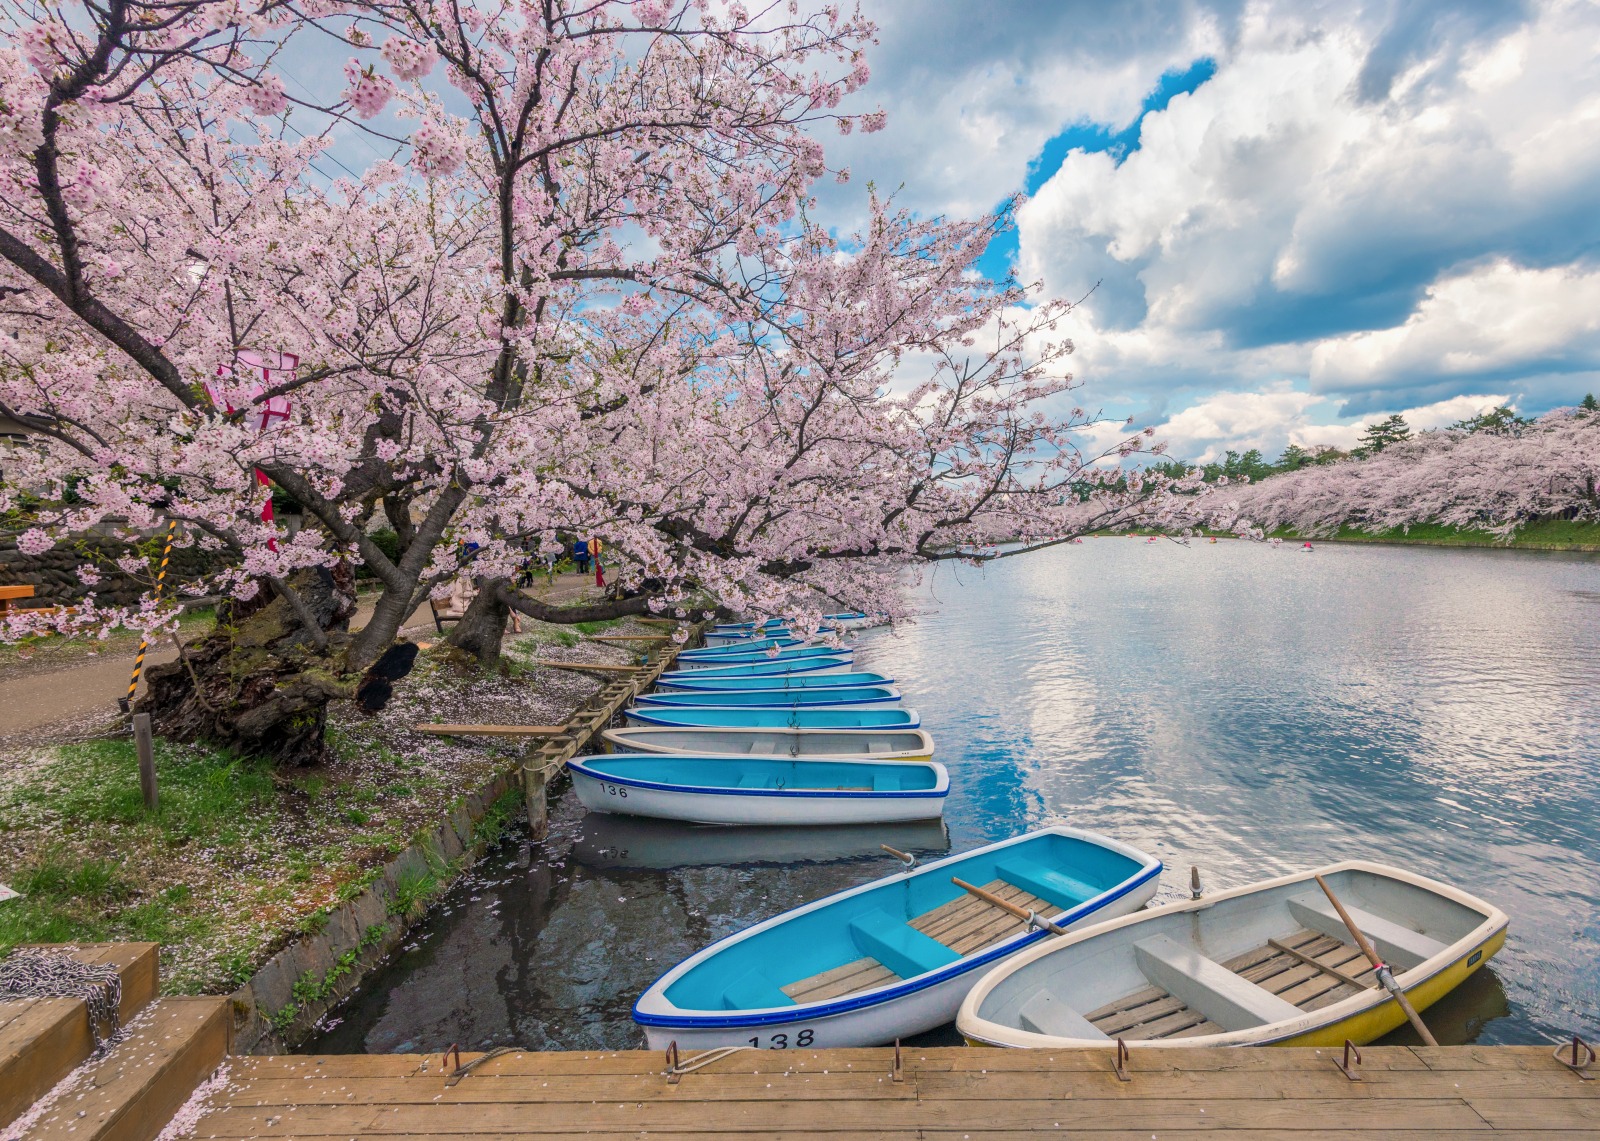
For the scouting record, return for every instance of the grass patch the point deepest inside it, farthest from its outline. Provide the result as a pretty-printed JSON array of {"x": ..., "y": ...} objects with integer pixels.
[
  {"x": 1541, "y": 534},
  {"x": 597, "y": 627}
]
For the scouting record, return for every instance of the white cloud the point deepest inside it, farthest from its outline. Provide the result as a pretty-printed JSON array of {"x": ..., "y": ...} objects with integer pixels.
[
  {"x": 1273, "y": 419},
  {"x": 1277, "y": 224},
  {"x": 1489, "y": 321}
]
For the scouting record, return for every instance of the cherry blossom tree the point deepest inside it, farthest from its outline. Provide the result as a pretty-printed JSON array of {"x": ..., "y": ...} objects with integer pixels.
[
  {"x": 590, "y": 302},
  {"x": 1493, "y": 480}
]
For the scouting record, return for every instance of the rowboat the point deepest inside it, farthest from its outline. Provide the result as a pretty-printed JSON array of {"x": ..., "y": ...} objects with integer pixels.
[
  {"x": 829, "y": 665},
  {"x": 697, "y": 682},
  {"x": 860, "y": 697},
  {"x": 878, "y": 744},
  {"x": 733, "y": 717},
  {"x": 759, "y": 790},
  {"x": 605, "y": 840},
  {"x": 893, "y": 957},
  {"x": 710, "y": 658},
  {"x": 1267, "y": 964},
  {"x": 750, "y": 646}
]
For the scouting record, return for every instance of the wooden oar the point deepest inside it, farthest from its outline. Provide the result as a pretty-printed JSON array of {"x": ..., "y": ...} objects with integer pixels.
[
  {"x": 1379, "y": 967},
  {"x": 1323, "y": 967},
  {"x": 1033, "y": 917}
]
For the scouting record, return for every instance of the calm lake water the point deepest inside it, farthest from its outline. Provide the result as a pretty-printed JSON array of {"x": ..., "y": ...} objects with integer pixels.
[{"x": 1246, "y": 709}]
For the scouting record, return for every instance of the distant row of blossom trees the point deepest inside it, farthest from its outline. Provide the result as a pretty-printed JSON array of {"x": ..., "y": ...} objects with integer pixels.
[{"x": 1495, "y": 473}]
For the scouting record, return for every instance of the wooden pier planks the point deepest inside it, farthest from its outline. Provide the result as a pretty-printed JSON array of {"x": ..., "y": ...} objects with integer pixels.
[{"x": 950, "y": 1093}]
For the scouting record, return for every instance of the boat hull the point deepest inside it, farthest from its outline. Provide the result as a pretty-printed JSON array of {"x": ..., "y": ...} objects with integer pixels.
[
  {"x": 602, "y": 792},
  {"x": 871, "y": 744},
  {"x": 735, "y": 717},
  {"x": 811, "y": 666},
  {"x": 696, "y": 684},
  {"x": 865, "y": 698}
]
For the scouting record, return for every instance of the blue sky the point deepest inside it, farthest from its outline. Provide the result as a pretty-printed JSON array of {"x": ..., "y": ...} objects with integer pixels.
[{"x": 1293, "y": 217}]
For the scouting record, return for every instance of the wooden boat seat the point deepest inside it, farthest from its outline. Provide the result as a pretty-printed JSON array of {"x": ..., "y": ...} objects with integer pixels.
[
  {"x": 1203, "y": 984},
  {"x": 1047, "y": 883},
  {"x": 1044, "y": 1013},
  {"x": 1151, "y": 1012},
  {"x": 1399, "y": 945},
  {"x": 899, "y": 946},
  {"x": 753, "y": 991},
  {"x": 961, "y": 926}
]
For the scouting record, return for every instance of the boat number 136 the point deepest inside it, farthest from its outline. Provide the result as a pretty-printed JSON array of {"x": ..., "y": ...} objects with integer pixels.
[
  {"x": 781, "y": 1041},
  {"x": 615, "y": 790}
]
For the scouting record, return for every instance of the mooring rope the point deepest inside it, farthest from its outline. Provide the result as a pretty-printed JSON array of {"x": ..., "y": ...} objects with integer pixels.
[
  {"x": 690, "y": 1065},
  {"x": 40, "y": 972}
]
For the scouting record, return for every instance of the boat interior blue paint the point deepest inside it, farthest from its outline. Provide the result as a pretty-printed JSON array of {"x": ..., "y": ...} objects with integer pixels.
[
  {"x": 756, "y": 669},
  {"x": 775, "y": 698},
  {"x": 738, "y": 654},
  {"x": 712, "y": 715},
  {"x": 876, "y": 921},
  {"x": 735, "y": 772},
  {"x": 696, "y": 682},
  {"x": 749, "y": 647}
]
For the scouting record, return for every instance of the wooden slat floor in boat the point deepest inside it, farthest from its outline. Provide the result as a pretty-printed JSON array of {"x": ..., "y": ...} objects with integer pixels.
[
  {"x": 861, "y": 974},
  {"x": 964, "y": 925},
  {"x": 968, "y": 924},
  {"x": 1151, "y": 1012},
  {"x": 1300, "y": 983}
]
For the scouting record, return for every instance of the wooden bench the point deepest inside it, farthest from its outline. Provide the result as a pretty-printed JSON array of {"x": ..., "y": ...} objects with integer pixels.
[
  {"x": 964, "y": 925},
  {"x": 9, "y": 594}
]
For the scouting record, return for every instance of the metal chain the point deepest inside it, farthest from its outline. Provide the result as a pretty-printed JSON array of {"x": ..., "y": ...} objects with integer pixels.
[{"x": 42, "y": 972}]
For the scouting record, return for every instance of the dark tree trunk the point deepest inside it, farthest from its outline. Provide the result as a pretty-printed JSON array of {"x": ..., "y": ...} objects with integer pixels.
[
  {"x": 258, "y": 682},
  {"x": 482, "y": 629}
]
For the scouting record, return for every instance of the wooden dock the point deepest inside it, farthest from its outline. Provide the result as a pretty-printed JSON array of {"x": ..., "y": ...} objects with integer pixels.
[
  {"x": 1413, "y": 1094},
  {"x": 169, "y": 1076}
]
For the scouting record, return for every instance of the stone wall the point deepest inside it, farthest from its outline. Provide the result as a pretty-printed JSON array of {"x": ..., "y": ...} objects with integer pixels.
[{"x": 53, "y": 575}]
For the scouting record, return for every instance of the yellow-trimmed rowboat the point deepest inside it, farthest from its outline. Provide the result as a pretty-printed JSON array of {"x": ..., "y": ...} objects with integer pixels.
[{"x": 1268, "y": 964}]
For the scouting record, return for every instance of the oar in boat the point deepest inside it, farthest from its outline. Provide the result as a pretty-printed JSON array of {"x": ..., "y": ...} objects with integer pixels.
[
  {"x": 1033, "y": 918},
  {"x": 1379, "y": 967}
]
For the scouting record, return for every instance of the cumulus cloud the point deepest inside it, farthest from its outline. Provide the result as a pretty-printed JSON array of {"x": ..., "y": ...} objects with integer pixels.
[
  {"x": 1490, "y": 322},
  {"x": 1271, "y": 420},
  {"x": 1393, "y": 210}
]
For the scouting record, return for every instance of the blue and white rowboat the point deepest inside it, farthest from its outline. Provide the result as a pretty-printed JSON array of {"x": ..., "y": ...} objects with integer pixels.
[
  {"x": 695, "y": 659},
  {"x": 697, "y": 682},
  {"x": 831, "y": 744},
  {"x": 831, "y": 664},
  {"x": 862, "y": 697},
  {"x": 735, "y": 718},
  {"x": 893, "y": 957},
  {"x": 752, "y": 646},
  {"x": 842, "y": 660},
  {"x": 759, "y": 790}
]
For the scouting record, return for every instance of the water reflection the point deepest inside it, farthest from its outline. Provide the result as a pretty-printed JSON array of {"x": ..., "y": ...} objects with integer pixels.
[
  {"x": 1249, "y": 710},
  {"x": 605, "y": 841}
]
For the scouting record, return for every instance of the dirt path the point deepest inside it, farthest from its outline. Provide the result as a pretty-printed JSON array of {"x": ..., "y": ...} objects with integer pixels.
[{"x": 69, "y": 697}]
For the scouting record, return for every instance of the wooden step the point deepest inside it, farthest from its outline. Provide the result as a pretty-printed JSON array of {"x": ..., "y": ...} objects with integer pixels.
[
  {"x": 43, "y": 1039},
  {"x": 132, "y": 1092}
]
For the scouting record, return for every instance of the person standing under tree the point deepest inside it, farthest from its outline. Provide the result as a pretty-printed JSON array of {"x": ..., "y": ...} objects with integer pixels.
[
  {"x": 594, "y": 549},
  {"x": 580, "y": 555}
]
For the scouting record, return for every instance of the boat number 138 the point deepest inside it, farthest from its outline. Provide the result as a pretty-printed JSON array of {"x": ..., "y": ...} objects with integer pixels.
[{"x": 781, "y": 1041}]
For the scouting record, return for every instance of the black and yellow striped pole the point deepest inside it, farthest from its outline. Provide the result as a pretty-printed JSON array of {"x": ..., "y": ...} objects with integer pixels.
[{"x": 144, "y": 643}]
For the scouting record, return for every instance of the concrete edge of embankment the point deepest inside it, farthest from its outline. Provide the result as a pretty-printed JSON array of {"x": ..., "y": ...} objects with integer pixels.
[{"x": 281, "y": 1005}]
